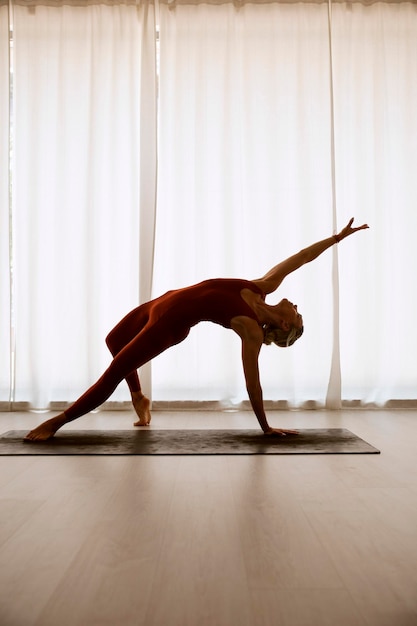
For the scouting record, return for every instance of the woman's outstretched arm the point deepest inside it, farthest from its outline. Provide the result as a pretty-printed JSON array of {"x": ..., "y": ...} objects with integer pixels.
[
  {"x": 252, "y": 338},
  {"x": 272, "y": 279}
]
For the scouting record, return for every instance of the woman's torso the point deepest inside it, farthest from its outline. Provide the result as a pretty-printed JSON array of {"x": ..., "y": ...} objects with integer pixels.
[{"x": 216, "y": 300}]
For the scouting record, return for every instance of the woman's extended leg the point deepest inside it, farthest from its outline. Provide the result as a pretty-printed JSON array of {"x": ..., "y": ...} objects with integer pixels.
[
  {"x": 91, "y": 399},
  {"x": 151, "y": 341}
]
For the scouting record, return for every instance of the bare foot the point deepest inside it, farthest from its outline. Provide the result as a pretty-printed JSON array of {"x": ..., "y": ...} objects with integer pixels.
[
  {"x": 142, "y": 409},
  {"x": 46, "y": 430}
]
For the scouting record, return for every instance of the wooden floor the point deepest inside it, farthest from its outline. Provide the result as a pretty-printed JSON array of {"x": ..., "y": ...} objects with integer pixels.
[{"x": 327, "y": 540}]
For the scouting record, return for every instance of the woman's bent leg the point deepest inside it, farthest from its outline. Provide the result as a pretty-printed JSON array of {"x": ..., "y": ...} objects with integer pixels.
[{"x": 116, "y": 340}]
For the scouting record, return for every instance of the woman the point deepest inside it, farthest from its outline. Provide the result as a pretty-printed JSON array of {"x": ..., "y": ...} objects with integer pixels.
[{"x": 159, "y": 324}]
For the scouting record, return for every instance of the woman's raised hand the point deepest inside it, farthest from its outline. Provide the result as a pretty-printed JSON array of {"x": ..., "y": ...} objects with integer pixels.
[{"x": 349, "y": 230}]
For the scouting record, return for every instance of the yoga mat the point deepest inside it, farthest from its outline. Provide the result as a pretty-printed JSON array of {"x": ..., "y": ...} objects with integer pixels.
[{"x": 186, "y": 442}]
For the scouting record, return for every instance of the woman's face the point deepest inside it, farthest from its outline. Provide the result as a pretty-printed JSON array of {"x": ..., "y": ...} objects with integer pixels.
[{"x": 289, "y": 313}]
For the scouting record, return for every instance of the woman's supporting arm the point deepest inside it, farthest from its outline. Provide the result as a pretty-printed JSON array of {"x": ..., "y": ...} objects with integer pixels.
[{"x": 252, "y": 338}]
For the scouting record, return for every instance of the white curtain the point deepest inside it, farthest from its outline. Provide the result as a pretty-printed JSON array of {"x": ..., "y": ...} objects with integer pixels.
[
  {"x": 249, "y": 172},
  {"x": 244, "y": 181},
  {"x": 84, "y": 104},
  {"x": 274, "y": 129},
  {"x": 375, "y": 73}
]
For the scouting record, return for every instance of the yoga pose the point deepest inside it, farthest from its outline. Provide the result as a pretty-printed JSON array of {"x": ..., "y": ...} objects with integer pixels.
[{"x": 159, "y": 324}]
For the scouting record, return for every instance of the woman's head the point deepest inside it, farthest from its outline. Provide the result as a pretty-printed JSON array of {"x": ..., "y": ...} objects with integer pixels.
[
  {"x": 285, "y": 325},
  {"x": 282, "y": 338}
]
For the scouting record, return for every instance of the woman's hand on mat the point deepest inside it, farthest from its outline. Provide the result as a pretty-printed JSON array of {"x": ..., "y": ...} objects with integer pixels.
[
  {"x": 349, "y": 230},
  {"x": 279, "y": 432}
]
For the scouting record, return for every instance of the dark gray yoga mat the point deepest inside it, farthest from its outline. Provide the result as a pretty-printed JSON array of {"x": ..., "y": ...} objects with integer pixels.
[{"x": 186, "y": 442}]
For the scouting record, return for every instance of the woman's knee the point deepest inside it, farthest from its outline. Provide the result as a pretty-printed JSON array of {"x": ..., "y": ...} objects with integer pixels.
[
  {"x": 110, "y": 341},
  {"x": 115, "y": 341}
]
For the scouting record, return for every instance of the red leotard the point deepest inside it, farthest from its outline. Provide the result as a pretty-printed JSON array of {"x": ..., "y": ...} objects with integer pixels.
[{"x": 159, "y": 324}]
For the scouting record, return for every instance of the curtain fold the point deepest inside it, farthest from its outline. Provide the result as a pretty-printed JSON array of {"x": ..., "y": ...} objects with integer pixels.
[
  {"x": 5, "y": 321},
  {"x": 334, "y": 389}
]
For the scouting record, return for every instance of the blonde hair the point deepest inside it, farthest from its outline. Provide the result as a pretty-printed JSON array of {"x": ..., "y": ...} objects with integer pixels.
[{"x": 282, "y": 338}]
